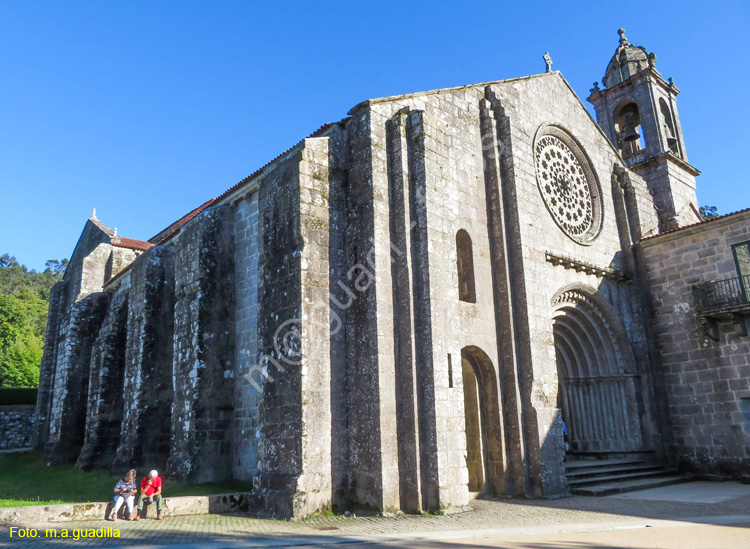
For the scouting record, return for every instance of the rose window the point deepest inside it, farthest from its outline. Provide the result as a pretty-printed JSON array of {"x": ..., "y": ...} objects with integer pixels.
[{"x": 568, "y": 189}]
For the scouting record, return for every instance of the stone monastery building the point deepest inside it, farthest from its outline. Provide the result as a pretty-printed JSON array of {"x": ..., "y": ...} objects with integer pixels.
[{"x": 399, "y": 311}]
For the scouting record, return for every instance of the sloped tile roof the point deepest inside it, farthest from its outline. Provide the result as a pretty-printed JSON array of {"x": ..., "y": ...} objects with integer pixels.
[
  {"x": 132, "y": 243},
  {"x": 175, "y": 227},
  {"x": 696, "y": 224}
]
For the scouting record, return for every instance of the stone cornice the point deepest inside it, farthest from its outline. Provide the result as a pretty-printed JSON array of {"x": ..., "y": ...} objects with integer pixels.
[
  {"x": 642, "y": 75},
  {"x": 670, "y": 156},
  {"x": 585, "y": 267}
]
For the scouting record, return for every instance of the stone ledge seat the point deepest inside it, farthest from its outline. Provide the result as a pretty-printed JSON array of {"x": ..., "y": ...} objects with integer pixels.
[{"x": 72, "y": 512}]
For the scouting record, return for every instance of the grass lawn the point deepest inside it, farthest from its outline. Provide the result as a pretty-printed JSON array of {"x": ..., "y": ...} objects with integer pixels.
[{"x": 24, "y": 480}]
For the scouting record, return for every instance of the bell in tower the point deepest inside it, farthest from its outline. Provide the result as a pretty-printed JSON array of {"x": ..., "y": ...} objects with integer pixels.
[
  {"x": 637, "y": 110},
  {"x": 629, "y": 132},
  {"x": 628, "y": 125}
]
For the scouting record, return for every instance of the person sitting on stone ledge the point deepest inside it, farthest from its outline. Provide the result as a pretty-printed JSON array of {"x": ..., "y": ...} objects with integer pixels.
[
  {"x": 125, "y": 491},
  {"x": 151, "y": 491}
]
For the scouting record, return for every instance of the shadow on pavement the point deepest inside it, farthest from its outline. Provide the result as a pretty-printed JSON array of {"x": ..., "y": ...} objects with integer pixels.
[{"x": 703, "y": 504}]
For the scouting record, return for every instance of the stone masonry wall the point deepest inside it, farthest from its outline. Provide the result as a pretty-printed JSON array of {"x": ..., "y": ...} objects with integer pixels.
[
  {"x": 338, "y": 179},
  {"x": 434, "y": 141},
  {"x": 16, "y": 427},
  {"x": 48, "y": 366},
  {"x": 316, "y": 180},
  {"x": 84, "y": 276},
  {"x": 280, "y": 438},
  {"x": 118, "y": 260},
  {"x": 535, "y": 105},
  {"x": 69, "y": 394},
  {"x": 362, "y": 481},
  {"x": 295, "y": 441},
  {"x": 147, "y": 380},
  {"x": 246, "y": 396},
  {"x": 105, "y": 396},
  {"x": 707, "y": 380},
  {"x": 203, "y": 371}
]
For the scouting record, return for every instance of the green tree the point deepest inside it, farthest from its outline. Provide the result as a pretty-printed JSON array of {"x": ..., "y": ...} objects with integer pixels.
[
  {"x": 19, "y": 365},
  {"x": 708, "y": 212},
  {"x": 56, "y": 267},
  {"x": 11, "y": 321},
  {"x": 24, "y": 301},
  {"x": 20, "y": 348},
  {"x": 7, "y": 260}
]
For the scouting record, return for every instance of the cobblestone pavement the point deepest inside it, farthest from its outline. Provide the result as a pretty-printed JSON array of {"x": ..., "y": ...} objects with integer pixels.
[{"x": 483, "y": 515}]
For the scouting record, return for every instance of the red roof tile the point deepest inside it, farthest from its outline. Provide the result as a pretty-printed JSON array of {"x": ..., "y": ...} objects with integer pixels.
[
  {"x": 257, "y": 172},
  {"x": 177, "y": 225},
  {"x": 696, "y": 224},
  {"x": 174, "y": 228},
  {"x": 132, "y": 243}
]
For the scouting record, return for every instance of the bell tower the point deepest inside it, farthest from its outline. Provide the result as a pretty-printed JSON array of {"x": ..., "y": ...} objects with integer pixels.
[{"x": 637, "y": 109}]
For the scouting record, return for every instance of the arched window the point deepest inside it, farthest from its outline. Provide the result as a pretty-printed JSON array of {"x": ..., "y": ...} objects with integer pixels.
[
  {"x": 466, "y": 289},
  {"x": 629, "y": 130},
  {"x": 669, "y": 129}
]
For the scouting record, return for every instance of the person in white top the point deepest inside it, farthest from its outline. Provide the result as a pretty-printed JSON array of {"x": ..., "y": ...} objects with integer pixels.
[{"x": 125, "y": 491}]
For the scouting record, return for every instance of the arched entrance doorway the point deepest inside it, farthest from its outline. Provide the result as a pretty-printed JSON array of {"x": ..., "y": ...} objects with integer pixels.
[
  {"x": 599, "y": 383},
  {"x": 484, "y": 443}
]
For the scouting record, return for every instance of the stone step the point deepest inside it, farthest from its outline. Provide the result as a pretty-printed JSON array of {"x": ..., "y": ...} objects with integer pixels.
[
  {"x": 577, "y": 464},
  {"x": 611, "y": 488},
  {"x": 619, "y": 477},
  {"x": 604, "y": 471}
]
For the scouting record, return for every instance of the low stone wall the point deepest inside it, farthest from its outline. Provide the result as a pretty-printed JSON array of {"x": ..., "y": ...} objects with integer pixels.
[
  {"x": 16, "y": 427},
  {"x": 187, "y": 505}
]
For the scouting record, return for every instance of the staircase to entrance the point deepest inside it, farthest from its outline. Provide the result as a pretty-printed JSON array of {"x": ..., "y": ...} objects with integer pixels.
[{"x": 603, "y": 477}]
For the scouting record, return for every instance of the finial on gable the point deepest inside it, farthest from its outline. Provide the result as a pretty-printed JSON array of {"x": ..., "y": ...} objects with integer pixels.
[
  {"x": 115, "y": 233},
  {"x": 623, "y": 39},
  {"x": 548, "y": 62},
  {"x": 93, "y": 215}
]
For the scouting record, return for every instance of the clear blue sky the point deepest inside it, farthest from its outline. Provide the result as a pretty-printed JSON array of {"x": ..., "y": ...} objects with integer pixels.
[{"x": 144, "y": 110}]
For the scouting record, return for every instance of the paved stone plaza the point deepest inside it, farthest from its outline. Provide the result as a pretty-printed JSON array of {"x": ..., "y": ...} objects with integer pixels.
[{"x": 719, "y": 503}]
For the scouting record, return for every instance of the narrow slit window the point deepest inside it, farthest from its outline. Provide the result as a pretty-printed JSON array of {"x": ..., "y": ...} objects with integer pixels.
[{"x": 466, "y": 288}]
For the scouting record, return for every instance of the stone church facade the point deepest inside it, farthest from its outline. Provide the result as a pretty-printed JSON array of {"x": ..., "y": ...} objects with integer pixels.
[{"x": 399, "y": 311}]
